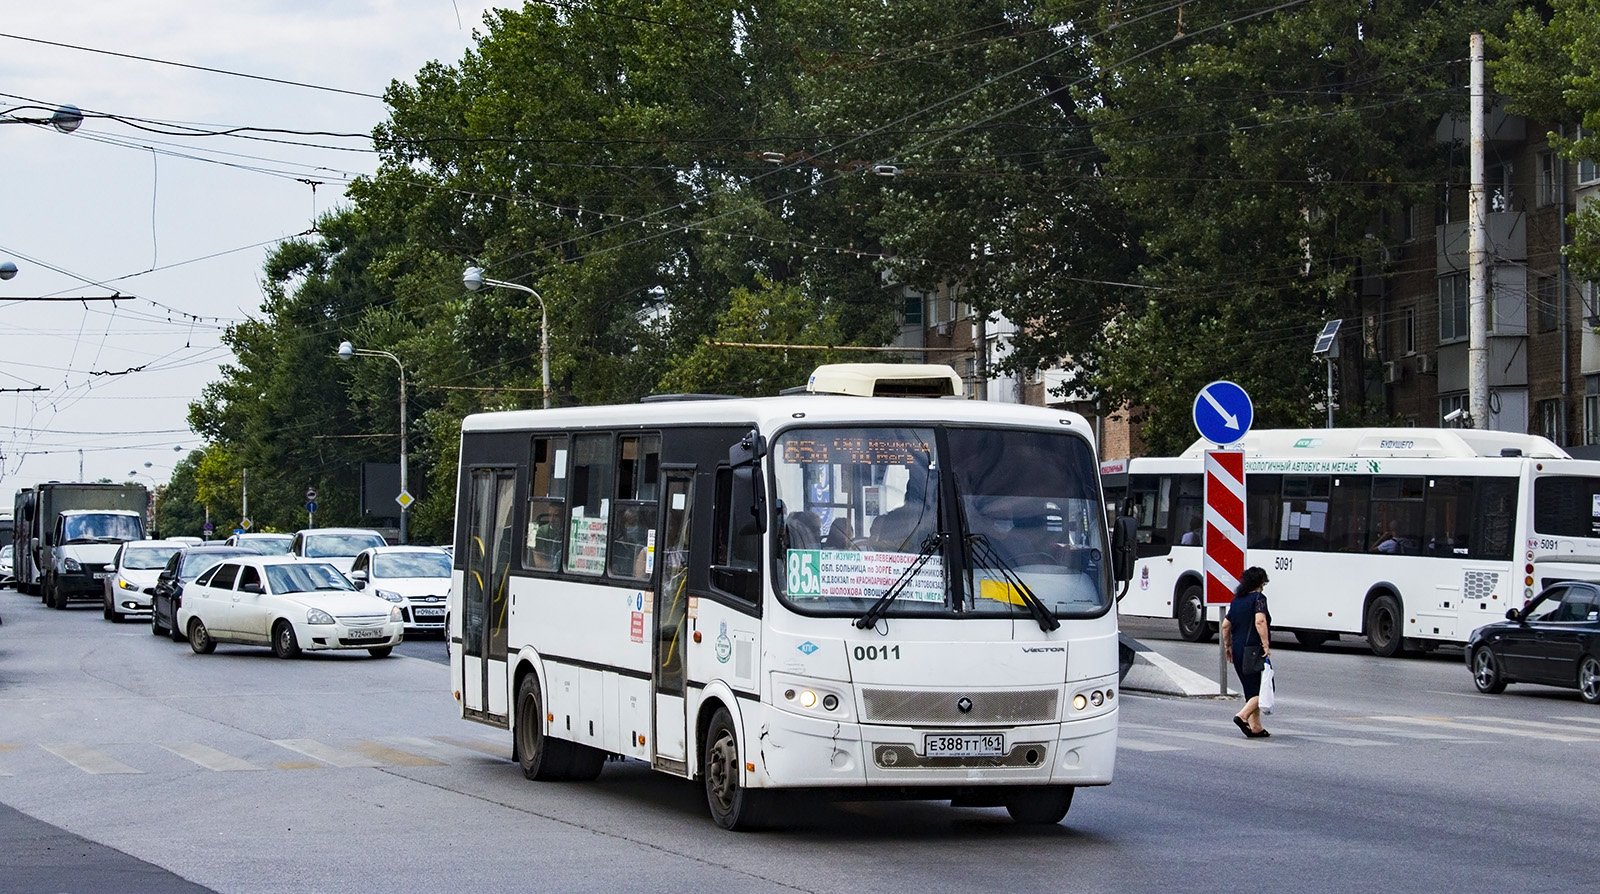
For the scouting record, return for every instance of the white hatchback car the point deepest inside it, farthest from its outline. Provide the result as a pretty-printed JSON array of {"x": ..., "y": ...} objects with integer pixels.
[
  {"x": 288, "y": 603},
  {"x": 337, "y": 545},
  {"x": 133, "y": 569},
  {"x": 416, "y": 578}
]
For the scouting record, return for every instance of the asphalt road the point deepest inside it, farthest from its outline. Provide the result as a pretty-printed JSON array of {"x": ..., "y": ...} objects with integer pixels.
[{"x": 128, "y": 763}]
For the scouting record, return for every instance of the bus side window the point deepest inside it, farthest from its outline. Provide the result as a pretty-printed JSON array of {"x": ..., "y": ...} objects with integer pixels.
[
  {"x": 1494, "y": 519},
  {"x": 1397, "y": 514},
  {"x": 590, "y": 489},
  {"x": 633, "y": 525},
  {"x": 1347, "y": 514},
  {"x": 1304, "y": 523},
  {"x": 1448, "y": 515},
  {"x": 1261, "y": 510},
  {"x": 547, "y": 504},
  {"x": 735, "y": 565}
]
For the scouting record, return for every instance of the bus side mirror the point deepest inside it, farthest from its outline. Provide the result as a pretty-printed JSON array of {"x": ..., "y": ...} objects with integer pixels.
[
  {"x": 745, "y": 458},
  {"x": 1124, "y": 537}
]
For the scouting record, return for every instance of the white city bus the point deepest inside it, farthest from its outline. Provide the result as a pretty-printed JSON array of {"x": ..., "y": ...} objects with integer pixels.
[
  {"x": 867, "y": 595},
  {"x": 1409, "y": 537}
]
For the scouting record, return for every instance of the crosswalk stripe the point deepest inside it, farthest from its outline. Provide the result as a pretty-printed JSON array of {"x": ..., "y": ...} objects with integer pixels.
[
  {"x": 395, "y": 756},
  {"x": 88, "y": 760},
  {"x": 1390, "y": 731},
  {"x": 328, "y": 754},
  {"x": 1136, "y": 745},
  {"x": 425, "y": 747},
  {"x": 1450, "y": 723},
  {"x": 482, "y": 746},
  {"x": 208, "y": 757},
  {"x": 1234, "y": 741}
]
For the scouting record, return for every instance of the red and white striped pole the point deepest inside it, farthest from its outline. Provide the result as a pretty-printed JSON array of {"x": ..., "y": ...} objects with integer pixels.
[{"x": 1224, "y": 538}]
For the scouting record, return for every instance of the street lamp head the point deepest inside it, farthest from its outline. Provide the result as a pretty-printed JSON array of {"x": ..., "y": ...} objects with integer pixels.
[
  {"x": 346, "y": 350},
  {"x": 472, "y": 278},
  {"x": 7, "y": 269},
  {"x": 67, "y": 118}
]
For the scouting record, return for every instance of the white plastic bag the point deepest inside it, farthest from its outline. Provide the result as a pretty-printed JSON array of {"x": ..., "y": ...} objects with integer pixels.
[{"x": 1269, "y": 696}]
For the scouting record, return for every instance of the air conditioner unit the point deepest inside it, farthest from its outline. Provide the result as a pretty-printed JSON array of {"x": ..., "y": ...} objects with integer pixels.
[
  {"x": 942, "y": 328},
  {"x": 1393, "y": 372},
  {"x": 1424, "y": 363}
]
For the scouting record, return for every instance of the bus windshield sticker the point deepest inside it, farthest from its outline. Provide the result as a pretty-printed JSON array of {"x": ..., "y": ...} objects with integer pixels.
[{"x": 861, "y": 574}]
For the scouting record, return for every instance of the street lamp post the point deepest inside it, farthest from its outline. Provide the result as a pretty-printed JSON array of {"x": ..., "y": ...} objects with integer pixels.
[
  {"x": 346, "y": 351},
  {"x": 155, "y": 497},
  {"x": 474, "y": 280},
  {"x": 65, "y": 118}
]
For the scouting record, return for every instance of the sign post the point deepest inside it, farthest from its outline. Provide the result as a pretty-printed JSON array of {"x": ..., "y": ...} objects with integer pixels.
[{"x": 1222, "y": 414}]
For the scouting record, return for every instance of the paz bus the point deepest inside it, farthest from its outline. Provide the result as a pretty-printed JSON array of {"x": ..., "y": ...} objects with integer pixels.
[
  {"x": 1408, "y": 537},
  {"x": 846, "y": 589}
]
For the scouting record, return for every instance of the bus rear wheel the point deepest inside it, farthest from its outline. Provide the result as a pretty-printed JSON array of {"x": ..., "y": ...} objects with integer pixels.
[
  {"x": 1385, "y": 627},
  {"x": 542, "y": 758},
  {"x": 1044, "y": 806},
  {"x": 733, "y": 807},
  {"x": 1192, "y": 625}
]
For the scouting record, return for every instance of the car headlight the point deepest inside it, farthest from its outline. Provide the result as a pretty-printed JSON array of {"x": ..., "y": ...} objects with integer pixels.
[
  {"x": 390, "y": 595},
  {"x": 126, "y": 584},
  {"x": 318, "y": 616},
  {"x": 394, "y": 614},
  {"x": 71, "y": 564}
]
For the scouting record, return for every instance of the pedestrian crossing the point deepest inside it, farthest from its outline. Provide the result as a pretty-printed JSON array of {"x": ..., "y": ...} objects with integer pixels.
[
  {"x": 19, "y": 759},
  {"x": 1375, "y": 731}
]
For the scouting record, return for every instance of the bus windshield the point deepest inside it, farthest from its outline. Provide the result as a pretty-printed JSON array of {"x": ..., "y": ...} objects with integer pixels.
[{"x": 862, "y": 510}]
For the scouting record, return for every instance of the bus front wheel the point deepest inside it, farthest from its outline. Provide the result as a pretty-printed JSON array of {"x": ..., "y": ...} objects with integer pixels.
[
  {"x": 1385, "y": 626},
  {"x": 542, "y": 758},
  {"x": 733, "y": 807},
  {"x": 1192, "y": 625},
  {"x": 1044, "y": 806}
]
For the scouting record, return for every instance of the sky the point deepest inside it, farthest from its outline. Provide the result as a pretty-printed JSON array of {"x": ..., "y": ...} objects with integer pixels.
[{"x": 177, "y": 226}]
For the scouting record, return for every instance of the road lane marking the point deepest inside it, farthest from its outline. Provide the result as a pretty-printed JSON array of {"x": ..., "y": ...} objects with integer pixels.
[
  {"x": 395, "y": 756},
  {"x": 482, "y": 746},
  {"x": 89, "y": 760},
  {"x": 1235, "y": 741},
  {"x": 426, "y": 747},
  {"x": 209, "y": 758},
  {"x": 1365, "y": 726},
  {"x": 328, "y": 754}
]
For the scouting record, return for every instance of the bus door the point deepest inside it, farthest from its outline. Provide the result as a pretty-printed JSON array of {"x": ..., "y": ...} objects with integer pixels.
[
  {"x": 671, "y": 623},
  {"x": 486, "y": 598}
]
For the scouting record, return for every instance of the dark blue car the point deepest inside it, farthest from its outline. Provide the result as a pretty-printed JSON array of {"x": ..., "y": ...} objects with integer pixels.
[{"x": 1554, "y": 641}]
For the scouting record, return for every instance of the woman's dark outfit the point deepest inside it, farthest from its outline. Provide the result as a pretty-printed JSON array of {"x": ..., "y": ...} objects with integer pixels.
[{"x": 1242, "y": 616}]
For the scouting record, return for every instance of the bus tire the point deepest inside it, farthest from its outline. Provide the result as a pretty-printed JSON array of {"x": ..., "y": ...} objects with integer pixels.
[
  {"x": 1311, "y": 639},
  {"x": 1385, "y": 627},
  {"x": 542, "y": 758},
  {"x": 1192, "y": 624},
  {"x": 733, "y": 807},
  {"x": 1043, "y": 806},
  {"x": 586, "y": 763}
]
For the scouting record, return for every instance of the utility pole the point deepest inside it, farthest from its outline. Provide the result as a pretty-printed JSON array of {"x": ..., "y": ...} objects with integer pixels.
[
  {"x": 244, "y": 500},
  {"x": 1477, "y": 256}
]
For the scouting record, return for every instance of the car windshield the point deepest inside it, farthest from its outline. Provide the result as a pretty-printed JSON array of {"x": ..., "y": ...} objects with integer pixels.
[
  {"x": 419, "y": 564},
  {"x": 101, "y": 527},
  {"x": 267, "y": 546},
  {"x": 195, "y": 562},
  {"x": 863, "y": 514},
  {"x": 324, "y": 546},
  {"x": 147, "y": 558},
  {"x": 306, "y": 577}
]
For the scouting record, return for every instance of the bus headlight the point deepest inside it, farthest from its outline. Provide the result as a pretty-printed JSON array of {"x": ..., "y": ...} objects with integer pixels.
[{"x": 811, "y": 697}]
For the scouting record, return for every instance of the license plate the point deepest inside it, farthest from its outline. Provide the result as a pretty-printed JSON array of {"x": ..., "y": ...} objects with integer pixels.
[
  {"x": 101, "y": 575},
  {"x": 372, "y": 633},
  {"x": 429, "y": 612},
  {"x": 945, "y": 745}
]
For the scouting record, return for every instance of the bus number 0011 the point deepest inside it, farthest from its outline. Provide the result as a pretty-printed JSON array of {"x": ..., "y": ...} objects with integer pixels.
[{"x": 876, "y": 653}]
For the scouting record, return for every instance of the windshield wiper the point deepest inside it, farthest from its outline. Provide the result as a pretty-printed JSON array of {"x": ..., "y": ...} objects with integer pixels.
[
  {"x": 1036, "y": 607},
  {"x": 873, "y": 615}
]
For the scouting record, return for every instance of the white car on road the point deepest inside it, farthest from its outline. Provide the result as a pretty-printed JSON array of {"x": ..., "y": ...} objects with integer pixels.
[
  {"x": 134, "y": 569},
  {"x": 287, "y": 603},
  {"x": 416, "y": 578},
  {"x": 337, "y": 545}
]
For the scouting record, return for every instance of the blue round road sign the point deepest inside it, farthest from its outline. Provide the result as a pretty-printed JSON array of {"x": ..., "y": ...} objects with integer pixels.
[
  {"x": 1223, "y": 412},
  {"x": 311, "y": 505}
]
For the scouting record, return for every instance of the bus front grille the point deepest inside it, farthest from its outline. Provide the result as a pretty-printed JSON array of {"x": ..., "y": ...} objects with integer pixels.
[{"x": 917, "y": 707}]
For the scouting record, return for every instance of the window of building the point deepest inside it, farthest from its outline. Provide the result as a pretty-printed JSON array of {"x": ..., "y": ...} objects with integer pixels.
[
  {"x": 1453, "y": 307},
  {"x": 1591, "y": 409},
  {"x": 1407, "y": 342},
  {"x": 1549, "y": 416},
  {"x": 913, "y": 309},
  {"x": 1547, "y": 301},
  {"x": 1545, "y": 187},
  {"x": 1588, "y": 172}
]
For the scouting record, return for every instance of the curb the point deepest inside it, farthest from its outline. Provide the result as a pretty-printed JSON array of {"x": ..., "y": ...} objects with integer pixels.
[{"x": 1149, "y": 671}]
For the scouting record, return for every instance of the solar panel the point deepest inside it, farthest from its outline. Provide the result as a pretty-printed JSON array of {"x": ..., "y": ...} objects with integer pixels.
[{"x": 1325, "y": 340}]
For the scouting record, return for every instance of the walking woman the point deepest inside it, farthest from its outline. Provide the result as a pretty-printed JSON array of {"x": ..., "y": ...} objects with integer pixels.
[{"x": 1247, "y": 642}]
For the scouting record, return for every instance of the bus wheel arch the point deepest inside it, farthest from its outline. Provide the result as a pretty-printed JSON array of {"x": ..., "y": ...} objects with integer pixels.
[
  {"x": 1383, "y": 621},
  {"x": 724, "y": 750},
  {"x": 541, "y": 757},
  {"x": 1189, "y": 608}
]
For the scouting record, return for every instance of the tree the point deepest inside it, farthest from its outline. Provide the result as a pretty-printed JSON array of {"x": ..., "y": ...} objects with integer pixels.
[{"x": 1549, "y": 69}]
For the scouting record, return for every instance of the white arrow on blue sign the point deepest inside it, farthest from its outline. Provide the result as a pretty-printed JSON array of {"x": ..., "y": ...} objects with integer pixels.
[{"x": 1223, "y": 412}]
